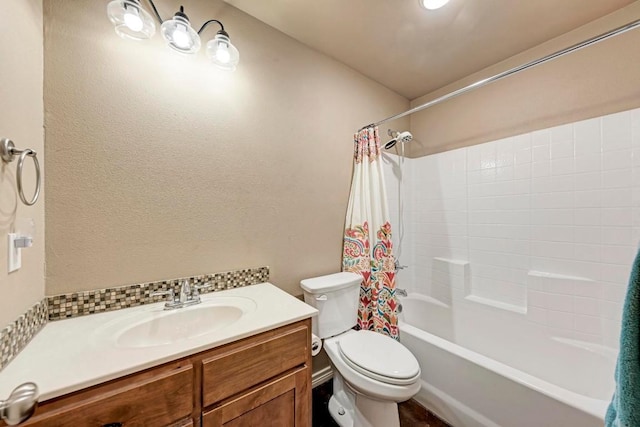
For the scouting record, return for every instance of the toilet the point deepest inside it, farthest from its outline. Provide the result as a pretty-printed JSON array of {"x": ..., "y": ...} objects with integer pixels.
[{"x": 371, "y": 372}]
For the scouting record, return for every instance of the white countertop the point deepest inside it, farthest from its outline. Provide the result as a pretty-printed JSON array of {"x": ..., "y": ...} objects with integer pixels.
[{"x": 69, "y": 355}]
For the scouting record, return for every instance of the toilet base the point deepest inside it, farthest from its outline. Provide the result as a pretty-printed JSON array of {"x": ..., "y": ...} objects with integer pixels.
[
  {"x": 350, "y": 409},
  {"x": 339, "y": 413}
]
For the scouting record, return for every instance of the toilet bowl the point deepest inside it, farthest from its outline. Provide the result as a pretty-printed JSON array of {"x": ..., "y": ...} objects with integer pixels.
[
  {"x": 366, "y": 393},
  {"x": 372, "y": 372}
]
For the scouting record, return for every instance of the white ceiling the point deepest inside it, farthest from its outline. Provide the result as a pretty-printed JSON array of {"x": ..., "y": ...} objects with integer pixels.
[{"x": 414, "y": 51}]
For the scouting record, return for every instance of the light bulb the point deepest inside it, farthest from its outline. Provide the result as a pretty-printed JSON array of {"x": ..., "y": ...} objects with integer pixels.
[
  {"x": 179, "y": 34},
  {"x": 130, "y": 20},
  {"x": 222, "y": 54},
  {"x": 433, "y": 4},
  {"x": 181, "y": 38},
  {"x": 133, "y": 21}
]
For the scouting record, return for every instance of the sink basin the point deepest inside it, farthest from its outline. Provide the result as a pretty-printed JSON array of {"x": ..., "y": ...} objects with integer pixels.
[{"x": 157, "y": 327}]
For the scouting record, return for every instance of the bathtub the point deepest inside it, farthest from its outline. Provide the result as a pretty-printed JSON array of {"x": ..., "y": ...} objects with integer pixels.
[{"x": 496, "y": 378}]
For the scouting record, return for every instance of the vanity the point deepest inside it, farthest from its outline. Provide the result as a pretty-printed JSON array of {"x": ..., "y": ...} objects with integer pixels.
[{"x": 145, "y": 366}]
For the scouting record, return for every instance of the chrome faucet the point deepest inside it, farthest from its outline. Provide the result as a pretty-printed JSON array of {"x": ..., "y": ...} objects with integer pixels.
[
  {"x": 401, "y": 292},
  {"x": 189, "y": 295},
  {"x": 185, "y": 292}
]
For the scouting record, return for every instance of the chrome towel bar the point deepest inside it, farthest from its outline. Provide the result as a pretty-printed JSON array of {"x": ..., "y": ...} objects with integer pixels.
[{"x": 8, "y": 151}]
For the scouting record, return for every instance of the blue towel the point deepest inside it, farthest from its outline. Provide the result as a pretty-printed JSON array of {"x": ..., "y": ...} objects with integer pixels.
[{"x": 624, "y": 409}]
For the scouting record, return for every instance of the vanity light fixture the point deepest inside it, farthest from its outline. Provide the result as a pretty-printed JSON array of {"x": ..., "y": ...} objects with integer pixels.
[
  {"x": 433, "y": 4},
  {"x": 131, "y": 21}
]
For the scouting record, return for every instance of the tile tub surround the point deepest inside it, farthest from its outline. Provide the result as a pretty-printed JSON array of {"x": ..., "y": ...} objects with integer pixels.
[
  {"x": 15, "y": 336},
  {"x": 549, "y": 222},
  {"x": 76, "y": 304}
]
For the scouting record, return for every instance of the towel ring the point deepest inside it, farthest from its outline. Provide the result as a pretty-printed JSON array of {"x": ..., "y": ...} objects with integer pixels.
[{"x": 8, "y": 151}]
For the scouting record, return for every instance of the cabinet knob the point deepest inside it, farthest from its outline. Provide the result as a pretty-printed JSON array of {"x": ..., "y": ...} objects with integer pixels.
[{"x": 20, "y": 405}]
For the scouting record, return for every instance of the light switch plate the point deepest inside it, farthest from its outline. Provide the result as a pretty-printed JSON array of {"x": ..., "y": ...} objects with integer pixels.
[{"x": 15, "y": 254}]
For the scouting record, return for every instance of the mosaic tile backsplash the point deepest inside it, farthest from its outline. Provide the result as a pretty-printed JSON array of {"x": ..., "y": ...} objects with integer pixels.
[
  {"x": 17, "y": 335},
  {"x": 89, "y": 302}
]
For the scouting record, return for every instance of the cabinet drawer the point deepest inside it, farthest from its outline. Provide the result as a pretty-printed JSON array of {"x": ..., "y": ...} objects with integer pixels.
[
  {"x": 160, "y": 400},
  {"x": 241, "y": 367}
]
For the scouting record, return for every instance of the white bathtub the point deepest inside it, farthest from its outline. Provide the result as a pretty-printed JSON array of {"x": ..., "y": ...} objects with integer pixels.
[{"x": 496, "y": 378}]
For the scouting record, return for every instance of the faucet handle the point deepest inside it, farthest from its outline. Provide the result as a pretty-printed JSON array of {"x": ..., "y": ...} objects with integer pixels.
[
  {"x": 171, "y": 295},
  {"x": 197, "y": 288},
  {"x": 397, "y": 265}
]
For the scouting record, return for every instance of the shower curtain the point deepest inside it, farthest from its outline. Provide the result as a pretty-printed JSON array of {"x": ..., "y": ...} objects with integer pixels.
[{"x": 367, "y": 248}]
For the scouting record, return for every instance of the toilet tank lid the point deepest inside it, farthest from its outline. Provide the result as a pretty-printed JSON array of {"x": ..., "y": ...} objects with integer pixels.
[{"x": 330, "y": 282}]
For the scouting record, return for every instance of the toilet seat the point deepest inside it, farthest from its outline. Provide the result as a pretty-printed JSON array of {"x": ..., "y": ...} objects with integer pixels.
[{"x": 379, "y": 357}]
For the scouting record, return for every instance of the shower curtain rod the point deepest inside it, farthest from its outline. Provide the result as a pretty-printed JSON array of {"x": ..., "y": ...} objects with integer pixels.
[{"x": 512, "y": 71}]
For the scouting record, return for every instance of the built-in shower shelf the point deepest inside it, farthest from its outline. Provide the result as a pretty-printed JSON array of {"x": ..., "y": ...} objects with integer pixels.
[
  {"x": 497, "y": 304},
  {"x": 535, "y": 273},
  {"x": 554, "y": 283},
  {"x": 449, "y": 274},
  {"x": 446, "y": 276}
]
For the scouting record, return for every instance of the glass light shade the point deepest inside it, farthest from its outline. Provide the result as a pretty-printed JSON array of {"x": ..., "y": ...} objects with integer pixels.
[
  {"x": 130, "y": 20},
  {"x": 179, "y": 35},
  {"x": 222, "y": 53},
  {"x": 433, "y": 4}
]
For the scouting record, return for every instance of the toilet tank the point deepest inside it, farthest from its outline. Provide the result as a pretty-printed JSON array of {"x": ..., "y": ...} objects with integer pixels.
[{"x": 336, "y": 298}]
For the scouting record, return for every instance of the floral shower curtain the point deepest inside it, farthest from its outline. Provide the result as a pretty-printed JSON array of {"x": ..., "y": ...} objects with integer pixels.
[{"x": 367, "y": 248}]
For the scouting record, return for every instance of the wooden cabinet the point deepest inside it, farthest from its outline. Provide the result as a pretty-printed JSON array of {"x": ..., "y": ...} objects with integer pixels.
[{"x": 261, "y": 380}]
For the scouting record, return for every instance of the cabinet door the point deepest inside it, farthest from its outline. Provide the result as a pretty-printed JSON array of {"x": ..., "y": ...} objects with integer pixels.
[{"x": 283, "y": 402}]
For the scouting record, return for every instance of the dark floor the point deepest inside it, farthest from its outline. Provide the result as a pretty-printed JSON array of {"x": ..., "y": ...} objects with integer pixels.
[{"x": 412, "y": 414}]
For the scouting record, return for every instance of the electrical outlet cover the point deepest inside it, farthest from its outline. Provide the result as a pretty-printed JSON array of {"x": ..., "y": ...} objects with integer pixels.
[{"x": 15, "y": 254}]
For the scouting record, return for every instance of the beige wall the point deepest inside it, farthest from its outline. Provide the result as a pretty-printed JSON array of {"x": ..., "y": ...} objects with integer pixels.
[
  {"x": 592, "y": 82},
  {"x": 21, "y": 118},
  {"x": 161, "y": 166}
]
